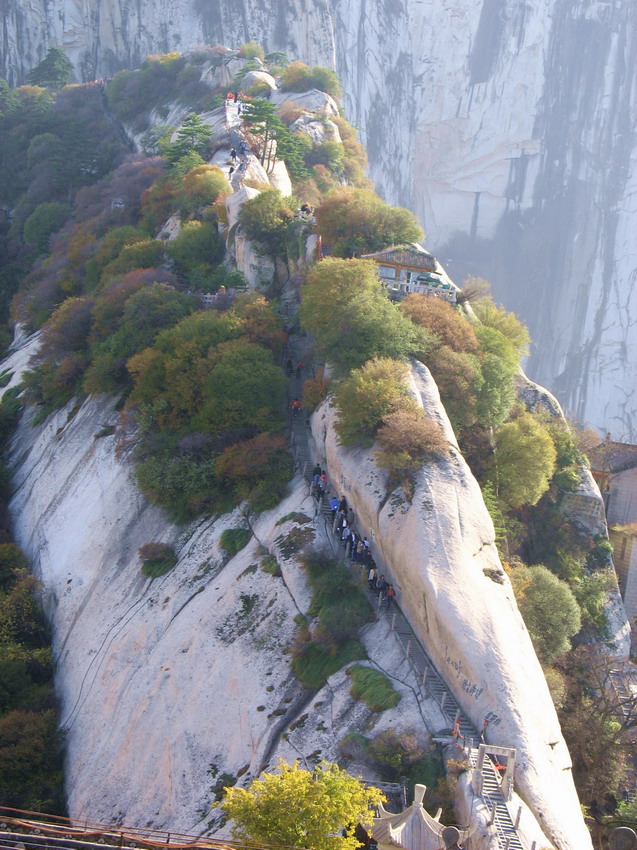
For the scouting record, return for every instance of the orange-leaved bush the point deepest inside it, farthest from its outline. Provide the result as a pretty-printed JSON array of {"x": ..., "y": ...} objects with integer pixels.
[
  {"x": 441, "y": 319},
  {"x": 405, "y": 439},
  {"x": 257, "y": 470}
]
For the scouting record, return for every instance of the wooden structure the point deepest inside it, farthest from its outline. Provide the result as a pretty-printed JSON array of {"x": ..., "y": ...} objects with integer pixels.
[
  {"x": 409, "y": 268},
  {"x": 614, "y": 468}
]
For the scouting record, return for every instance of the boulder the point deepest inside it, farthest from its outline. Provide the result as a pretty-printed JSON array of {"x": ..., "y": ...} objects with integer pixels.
[
  {"x": 318, "y": 131},
  {"x": 258, "y": 270},
  {"x": 280, "y": 179},
  {"x": 255, "y": 171},
  {"x": 257, "y": 78},
  {"x": 439, "y": 550},
  {"x": 235, "y": 201},
  {"x": 313, "y": 100}
]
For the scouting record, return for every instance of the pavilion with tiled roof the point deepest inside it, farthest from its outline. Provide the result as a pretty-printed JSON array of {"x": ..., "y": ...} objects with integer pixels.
[{"x": 409, "y": 268}]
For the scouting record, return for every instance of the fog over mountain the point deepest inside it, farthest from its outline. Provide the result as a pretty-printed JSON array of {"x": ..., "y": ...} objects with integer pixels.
[{"x": 508, "y": 127}]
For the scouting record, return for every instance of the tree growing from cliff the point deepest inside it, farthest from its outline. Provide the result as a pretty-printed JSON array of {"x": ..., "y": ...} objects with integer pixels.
[
  {"x": 192, "y": 137},
  {"x": 523, "y": 462},
  {"x": 598, "y": 722},
  {"x": 54, "y": 71},
  {"x": 368, "y": 396},
  {"x": 549, "y": 609},
  {"x": 265, "y": 219},
  {"x": 298, "y": 77},
  {"x": 495, "y": 316},
  {"x": 405, "y": 439},
  {"x": 440, "y": 318},
  {"x": 302, "y": 809},
  {"x": 346, "y": 310}
]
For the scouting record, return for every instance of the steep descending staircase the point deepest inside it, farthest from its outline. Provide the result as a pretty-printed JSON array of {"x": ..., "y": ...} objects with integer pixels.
[{"x": 430, "y": 681}]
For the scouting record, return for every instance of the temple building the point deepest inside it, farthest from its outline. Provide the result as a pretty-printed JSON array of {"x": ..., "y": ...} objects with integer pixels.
[{"x": 409, "y": 268}]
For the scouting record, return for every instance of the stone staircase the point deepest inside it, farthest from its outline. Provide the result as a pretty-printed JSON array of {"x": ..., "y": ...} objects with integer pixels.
[{"x": 431, "y": 683}]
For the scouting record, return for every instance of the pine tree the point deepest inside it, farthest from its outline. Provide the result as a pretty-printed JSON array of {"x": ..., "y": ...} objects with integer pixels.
[
  {"x": 192, "y": 137},
  {"x": 54, "y": 71}
]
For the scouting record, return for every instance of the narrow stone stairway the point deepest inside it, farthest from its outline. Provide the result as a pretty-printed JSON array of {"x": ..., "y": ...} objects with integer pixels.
[{"x": 431, "y": 683}]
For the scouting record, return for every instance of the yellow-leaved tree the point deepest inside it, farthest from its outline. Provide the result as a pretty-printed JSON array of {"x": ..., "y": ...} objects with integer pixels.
[{"x": 302, "y": 809}]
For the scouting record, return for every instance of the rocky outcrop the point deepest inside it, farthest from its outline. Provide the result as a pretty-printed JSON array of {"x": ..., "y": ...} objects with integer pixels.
[
  {"x": 441, "y": 554},
  {"x": 256, "y": 78},
  {"x": 318, "y": 131}
]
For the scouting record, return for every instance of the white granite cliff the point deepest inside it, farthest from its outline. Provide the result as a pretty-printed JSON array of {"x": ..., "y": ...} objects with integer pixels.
[
  {"x": 167, "y": 684},
  {"x": 440, "y": 551},
  {"x": 508, "y": 127}
]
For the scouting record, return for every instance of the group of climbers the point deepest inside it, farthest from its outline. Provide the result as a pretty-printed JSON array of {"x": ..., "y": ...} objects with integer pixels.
[
  {"x": 357, "y": 547},
  {"x": 238, "y": 153}
]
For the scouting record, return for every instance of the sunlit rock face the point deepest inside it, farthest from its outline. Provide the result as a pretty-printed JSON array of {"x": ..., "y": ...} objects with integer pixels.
[
  {"x": 102, "y": 36},
  {"x": 165, "y": 684},
  {"x": 508, "y": 128}
]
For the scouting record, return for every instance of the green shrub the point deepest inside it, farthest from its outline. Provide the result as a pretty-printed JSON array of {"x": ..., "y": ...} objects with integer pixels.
[
  {"x": 295, "y": 516},
  {"x": 183, "y": 486},
  {"x": 270, "y": 565},
  {"x": 549, "y": 608},
  {"x": 396, "y": 752},
  {"x": 233, "y": 540},
  {"x": 265, "y": 219},
  {"x": 315, "y": 663},
  {"x": 277, "y": 58},
  {"x": 345, "y": 308},
  {"x": 494, "y": 316},
  {"x": 298, "y": 77},
  {"x": 157, "y": 559},
  {"x": 252, "y": 50},
  {"x": 341, "y": 607},
  {"x": 523, "y": 463},
  {"x": 373, "y": 688},
  {"x": 47, "y": 218},
  {"x": 600, "y": 555}
]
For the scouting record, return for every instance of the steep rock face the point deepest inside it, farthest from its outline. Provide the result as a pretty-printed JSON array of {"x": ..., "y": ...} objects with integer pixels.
[
  {"x": 441, "y": 555},
  {"x": 166, "y": 684},
  {"x": 102, "y": 36}
]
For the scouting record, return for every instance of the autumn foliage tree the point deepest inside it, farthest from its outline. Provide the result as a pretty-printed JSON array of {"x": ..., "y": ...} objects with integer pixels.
[
  {"x": 318, "y": 810},
  {"x": 201, "y": 187},
  {"x": 257, "y": 470},
  {"x": 368, "y": 396},
  {"x": 356, "y": 221},
  {"x": 439, "y": 317},
  {"x": 405, "y": 439}
]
